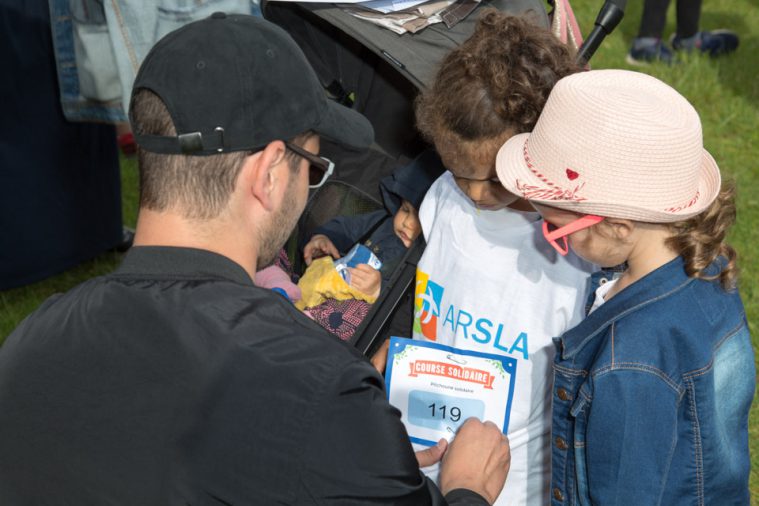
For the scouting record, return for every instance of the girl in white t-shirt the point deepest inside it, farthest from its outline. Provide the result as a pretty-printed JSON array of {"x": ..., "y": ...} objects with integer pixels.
[{"x": 487, "y": 281}]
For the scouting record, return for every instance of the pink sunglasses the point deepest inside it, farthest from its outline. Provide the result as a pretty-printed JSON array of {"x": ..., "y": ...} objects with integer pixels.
[{"x": 553, "y": 235}]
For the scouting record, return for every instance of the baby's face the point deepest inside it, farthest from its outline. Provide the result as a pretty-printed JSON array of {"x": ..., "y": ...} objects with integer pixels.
[{"x": 406, "y": 224}]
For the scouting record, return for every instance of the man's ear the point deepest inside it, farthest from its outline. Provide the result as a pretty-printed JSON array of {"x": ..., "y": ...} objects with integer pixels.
[{"x": 262, "y": 175}]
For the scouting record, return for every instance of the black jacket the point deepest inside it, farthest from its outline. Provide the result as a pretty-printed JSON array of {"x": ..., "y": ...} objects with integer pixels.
[{"x": 174, "y": 380}]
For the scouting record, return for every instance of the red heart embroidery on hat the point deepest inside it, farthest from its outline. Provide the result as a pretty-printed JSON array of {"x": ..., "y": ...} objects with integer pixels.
[{"x": 572, "y": 175}]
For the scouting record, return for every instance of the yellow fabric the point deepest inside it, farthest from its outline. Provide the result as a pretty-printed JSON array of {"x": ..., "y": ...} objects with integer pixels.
[{"x": 321, "y": 281}]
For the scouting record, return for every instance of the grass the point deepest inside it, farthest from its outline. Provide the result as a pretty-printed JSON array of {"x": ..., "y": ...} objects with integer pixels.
[{"x": 724, "y": 91}]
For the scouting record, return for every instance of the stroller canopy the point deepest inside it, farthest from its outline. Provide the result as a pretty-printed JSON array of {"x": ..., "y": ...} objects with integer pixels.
[{"x": 417, "y": 55}]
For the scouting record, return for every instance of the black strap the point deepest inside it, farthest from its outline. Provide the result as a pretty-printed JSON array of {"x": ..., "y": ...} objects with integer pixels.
[
  {"x": 371, "y": 230},
  {"x": 193, "y": 143},
  {"x": 370, "y": 334}
]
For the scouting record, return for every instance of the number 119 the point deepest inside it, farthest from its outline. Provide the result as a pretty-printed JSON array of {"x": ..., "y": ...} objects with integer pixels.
[{"x": 453, "y": 412}]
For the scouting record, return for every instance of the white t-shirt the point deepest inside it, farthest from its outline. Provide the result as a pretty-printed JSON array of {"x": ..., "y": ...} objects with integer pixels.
[{"x": 489, "y": 281}]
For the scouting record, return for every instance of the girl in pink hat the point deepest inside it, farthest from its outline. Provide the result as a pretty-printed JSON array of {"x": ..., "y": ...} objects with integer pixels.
[{"x": 653, "y": 389}]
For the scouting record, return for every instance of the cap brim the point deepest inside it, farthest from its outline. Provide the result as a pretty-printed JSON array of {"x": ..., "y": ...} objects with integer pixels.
[{"x": 345, "y": 126}]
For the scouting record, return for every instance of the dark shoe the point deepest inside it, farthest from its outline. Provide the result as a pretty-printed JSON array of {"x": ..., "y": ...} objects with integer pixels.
[
  {"x": 647, "y": 50},
  {"x": 127, "y": 238},
  {"x": 714, "y": 42}
]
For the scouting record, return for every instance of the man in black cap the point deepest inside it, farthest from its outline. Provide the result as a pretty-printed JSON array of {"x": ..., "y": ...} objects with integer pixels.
[{"x": 174, "y": 380}]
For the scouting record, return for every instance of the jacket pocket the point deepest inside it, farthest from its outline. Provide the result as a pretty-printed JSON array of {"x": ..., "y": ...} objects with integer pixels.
[
  {"x": 173, "y": 14},
  {"x": 95, "y": 59}
]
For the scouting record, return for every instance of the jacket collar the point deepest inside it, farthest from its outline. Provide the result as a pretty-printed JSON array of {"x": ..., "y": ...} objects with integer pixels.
[
  {"x": 667, "y": 279},
  {"x": 167, "y": 262}
]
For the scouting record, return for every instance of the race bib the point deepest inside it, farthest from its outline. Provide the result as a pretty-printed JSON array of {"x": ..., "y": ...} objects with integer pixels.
[{"x": 437, "y": 387}]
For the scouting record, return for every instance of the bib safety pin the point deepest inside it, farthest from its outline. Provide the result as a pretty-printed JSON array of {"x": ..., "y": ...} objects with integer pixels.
[{"x": 454, "y": 358}]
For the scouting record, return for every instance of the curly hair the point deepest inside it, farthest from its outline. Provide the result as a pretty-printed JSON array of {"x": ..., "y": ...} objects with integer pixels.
[
  {"x": 701, "y": 240},
  {"x": 491, "y": 87}
]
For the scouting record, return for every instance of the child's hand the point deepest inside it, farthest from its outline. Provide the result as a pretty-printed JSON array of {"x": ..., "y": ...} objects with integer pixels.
[
  {"x": 366, "y": 279},
  {"x": 318, "y": 246}
]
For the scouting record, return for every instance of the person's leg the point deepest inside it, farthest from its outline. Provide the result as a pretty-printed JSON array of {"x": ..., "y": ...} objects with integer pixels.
[
  {"x": 60, "y": 189},
  {"x": 647, "y": 46},
  {"x": 688, "y": 36},
  {"x": 688, "y": 17},
  {"x": 654, "y": 18}
]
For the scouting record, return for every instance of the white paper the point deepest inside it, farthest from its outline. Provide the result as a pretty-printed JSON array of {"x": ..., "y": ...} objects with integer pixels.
[
  {"x": 437, "y": 387},
  {"x": 377, "y": 5},
  {"x": 386, "y": 6}
]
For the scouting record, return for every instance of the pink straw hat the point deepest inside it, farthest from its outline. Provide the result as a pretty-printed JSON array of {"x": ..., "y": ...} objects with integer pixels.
[{"x": 613, "y": 143}]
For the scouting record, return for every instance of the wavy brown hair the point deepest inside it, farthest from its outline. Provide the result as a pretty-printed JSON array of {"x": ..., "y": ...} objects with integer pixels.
[
  {"x": 491, "y": 87},
  {"x": 701, "y": 240}
]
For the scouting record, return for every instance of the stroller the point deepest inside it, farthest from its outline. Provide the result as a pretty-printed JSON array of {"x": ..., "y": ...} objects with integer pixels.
[{"x": 379, "y": 74}]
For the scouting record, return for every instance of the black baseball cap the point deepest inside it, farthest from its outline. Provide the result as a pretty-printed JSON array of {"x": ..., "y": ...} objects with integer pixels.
[{"x": 233, "y": 82}]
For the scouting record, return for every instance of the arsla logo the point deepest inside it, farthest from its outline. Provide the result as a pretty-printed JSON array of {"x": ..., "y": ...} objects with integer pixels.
[{"x": 429, "y": 296}]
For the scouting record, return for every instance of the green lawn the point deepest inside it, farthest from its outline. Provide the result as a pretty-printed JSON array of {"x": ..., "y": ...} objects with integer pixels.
[{"x": 725, "y": 92}]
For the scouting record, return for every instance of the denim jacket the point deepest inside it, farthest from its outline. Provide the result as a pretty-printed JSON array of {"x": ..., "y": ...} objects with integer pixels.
[
  {"x": 70, "y": 19},
  {"x": 99, "y": 47},
  {"x": 651, "y": 397}
]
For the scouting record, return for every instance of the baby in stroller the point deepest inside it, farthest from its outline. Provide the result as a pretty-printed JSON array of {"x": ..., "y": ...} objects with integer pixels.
[{"x": 387, "y": 233}]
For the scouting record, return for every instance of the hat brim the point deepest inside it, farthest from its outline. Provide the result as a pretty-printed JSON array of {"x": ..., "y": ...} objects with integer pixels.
[
  {"x": 345, "y": 126},
  {"x": 517, "y": 177}
]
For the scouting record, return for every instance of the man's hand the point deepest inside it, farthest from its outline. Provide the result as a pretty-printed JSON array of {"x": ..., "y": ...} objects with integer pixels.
[
  {"x": 366, "y": 279},
  {"x": 432, "y": 455},
  {"x": 318, "y": 246},
  {"x": 379, "y": 359},
  {"x": 478, "y": 459}
]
